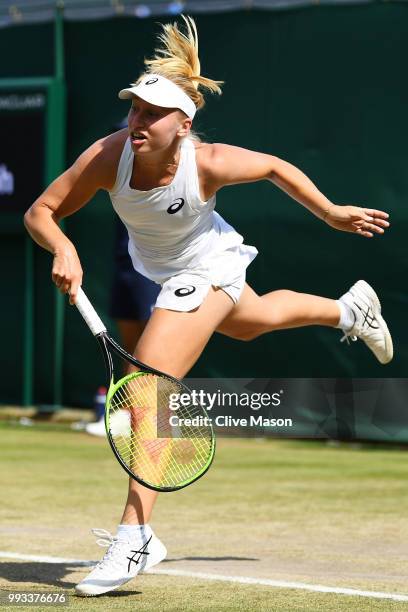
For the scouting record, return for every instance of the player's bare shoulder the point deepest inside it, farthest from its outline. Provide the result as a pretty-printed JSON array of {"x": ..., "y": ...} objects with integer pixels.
[
  {"x": 210, "y": 159},
  {"x": 203, "y": 151},
  {"x": 224, "y": 164},
  {"x": 211, "y": 155},
  {"x": 204, "y": 159},
  {"x": 105, "y": 155}
]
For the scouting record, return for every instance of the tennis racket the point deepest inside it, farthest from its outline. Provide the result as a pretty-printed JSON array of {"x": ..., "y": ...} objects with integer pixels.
[{"x": 155, "y": 451}]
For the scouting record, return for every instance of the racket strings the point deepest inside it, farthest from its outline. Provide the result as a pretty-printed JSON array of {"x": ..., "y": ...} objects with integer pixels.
[{"x": 157, "y": 452}]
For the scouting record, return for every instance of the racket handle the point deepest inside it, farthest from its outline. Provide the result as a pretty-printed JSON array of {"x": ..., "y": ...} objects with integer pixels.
[{"x": 89, "y": 313}]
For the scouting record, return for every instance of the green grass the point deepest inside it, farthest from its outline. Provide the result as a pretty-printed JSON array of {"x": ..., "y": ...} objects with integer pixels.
[
  {"x": 175, "y": 595},
  {"x": 284, "y": 510}
]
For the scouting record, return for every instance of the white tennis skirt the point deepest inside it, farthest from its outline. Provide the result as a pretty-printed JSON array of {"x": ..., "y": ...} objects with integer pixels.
[
  {"x": 224, "y": 268},
  {"x": 221, "y": 262}
]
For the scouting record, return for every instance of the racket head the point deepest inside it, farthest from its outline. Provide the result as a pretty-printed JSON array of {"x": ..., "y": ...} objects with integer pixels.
[{"x": 159, "y": 455}]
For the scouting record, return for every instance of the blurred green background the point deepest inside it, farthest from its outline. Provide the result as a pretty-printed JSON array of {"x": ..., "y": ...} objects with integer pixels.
[{"x": 323, "y": 87}]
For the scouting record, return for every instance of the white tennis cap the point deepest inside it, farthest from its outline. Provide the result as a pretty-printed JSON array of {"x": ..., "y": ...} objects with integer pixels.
[{"x": 162, "y": 92}]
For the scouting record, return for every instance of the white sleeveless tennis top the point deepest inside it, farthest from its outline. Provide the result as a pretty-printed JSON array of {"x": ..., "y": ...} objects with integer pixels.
[{"x": 176, "y": 239}]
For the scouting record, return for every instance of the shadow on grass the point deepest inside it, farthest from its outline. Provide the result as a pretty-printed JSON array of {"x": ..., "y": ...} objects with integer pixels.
[
  {"x": 118, "y": 594},
  {"x": 39, "y": 573},
  {"x": 49, "y": 574},
  {"x": 53, "y": 574}
]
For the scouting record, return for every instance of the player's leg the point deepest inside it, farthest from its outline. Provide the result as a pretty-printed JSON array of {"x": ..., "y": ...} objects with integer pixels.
[
  {"x": 130, "y": 332},
  {"x": 171, "y": 342},
  {"x": 282, "y": 309},
  {"x": 357, "y": 313},
  {"x": 167, "y": 344}
]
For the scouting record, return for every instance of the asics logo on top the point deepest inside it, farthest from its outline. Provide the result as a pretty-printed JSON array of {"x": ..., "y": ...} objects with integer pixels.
[
  {"x": 141, "y": 552},
  {"x": 368, "y": 316},
  {"x": 151, "y": 81},
  {"x": 176, "y": 206}
]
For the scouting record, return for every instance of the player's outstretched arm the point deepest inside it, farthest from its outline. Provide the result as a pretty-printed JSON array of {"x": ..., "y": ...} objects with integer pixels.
[
  {"x": 233, "y": 165},
  {"x": 67, "y": 194}
]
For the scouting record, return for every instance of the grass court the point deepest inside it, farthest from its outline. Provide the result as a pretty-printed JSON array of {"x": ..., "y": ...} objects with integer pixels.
[{"x": 268, "y": 510}]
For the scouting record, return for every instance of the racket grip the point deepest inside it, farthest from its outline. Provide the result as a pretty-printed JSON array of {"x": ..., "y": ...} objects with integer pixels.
[{"x": 89, "y": 313}]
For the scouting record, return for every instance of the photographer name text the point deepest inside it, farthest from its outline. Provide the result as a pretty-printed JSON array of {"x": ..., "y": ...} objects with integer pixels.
[{"x": 228, "y": 421}]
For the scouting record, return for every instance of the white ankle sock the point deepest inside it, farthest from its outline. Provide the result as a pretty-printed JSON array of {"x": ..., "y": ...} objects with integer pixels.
[
  {"x": 347, "y": 317},
  {"x": 134, "y": 532}
]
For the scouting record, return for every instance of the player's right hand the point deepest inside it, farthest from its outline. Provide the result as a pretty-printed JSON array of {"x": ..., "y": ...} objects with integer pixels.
[{"x": 67, "y": 273}]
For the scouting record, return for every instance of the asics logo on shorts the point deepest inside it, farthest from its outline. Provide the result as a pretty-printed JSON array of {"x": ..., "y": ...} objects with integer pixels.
[
  {"x": 151, "y": 81},
  {"x": 141, "y": 552},
  {"x": 176, "y": 206},
  {"x": 184, "y": 291}
]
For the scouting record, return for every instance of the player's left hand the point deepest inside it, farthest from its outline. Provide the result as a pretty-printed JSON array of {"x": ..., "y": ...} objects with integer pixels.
[{"x": 363, "y": 221}]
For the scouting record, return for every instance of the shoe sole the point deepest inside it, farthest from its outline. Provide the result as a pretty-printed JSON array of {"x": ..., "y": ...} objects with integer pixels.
[{"x": 371, "y": 295}]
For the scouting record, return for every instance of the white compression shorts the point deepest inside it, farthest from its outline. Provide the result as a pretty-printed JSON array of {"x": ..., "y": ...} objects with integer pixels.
[{"x": 226, "y": 270}]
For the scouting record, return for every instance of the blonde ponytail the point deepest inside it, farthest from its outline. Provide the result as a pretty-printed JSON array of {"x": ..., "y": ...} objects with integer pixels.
[{"x": 177, "y": 60}]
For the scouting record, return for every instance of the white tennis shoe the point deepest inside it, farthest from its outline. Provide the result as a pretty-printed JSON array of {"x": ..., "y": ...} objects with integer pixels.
[
  {"x": 369, "y": 325},
  {"x": 122, "y": 561}
]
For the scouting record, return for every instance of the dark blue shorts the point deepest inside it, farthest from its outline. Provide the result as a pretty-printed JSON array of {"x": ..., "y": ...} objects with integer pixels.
[{"x": 133, "y": 295}]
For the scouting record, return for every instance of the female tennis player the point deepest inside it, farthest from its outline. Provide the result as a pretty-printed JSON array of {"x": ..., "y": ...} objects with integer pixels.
[{"x": 163, "y": 183}]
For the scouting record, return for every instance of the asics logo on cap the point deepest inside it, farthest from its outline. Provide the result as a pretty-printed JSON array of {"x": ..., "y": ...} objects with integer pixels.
[{"x": 166, "y": 94}]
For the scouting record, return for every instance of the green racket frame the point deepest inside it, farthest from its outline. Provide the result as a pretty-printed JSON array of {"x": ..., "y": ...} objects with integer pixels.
[{"x": 108, "y": 344}]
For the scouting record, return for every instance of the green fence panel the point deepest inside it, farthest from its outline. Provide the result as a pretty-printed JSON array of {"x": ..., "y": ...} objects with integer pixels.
[{"x": 323, "y": 88}]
